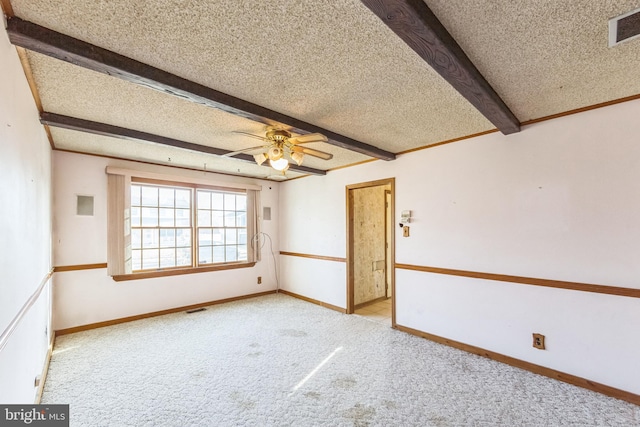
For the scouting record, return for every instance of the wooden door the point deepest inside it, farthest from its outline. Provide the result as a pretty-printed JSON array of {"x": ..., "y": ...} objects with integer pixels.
[
  {"x": 370, "y": 260},
  {"x": 369, "y": 244}
]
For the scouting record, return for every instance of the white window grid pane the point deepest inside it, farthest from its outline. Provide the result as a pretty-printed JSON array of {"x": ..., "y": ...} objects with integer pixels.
[
  {"x": 183, "y": 237},
  {"x": 161, "y": 227},
  {"x": 150, "y": 259},
  {"x": 150, "y": 238},
  {"x": 231, "y": 253},
  {"x": 136, "y": 259},
  {"x": 167, "y": 197},
  {"x": 231, "y": 236},
  {"x": 241, "y": 202},
  {"x": 183, "y": 257},
  {"x": 205, "y": 237},
  {"x": 217, "y": 201},
  {"x": 241, "y": 218},
  {"x": 204, "y": 218},
  {"x": 149, "y": 217},
  {"x": 204, "y": 200},
  {"x": 135, "y": 195},
  {"x": 229, "y": 202},
  {"x": 167, "y": 258},
  {"x": 183, "y": 198},
  {"x": 167, "y": 217},
  {"x": 136, "y": 238},
  {"x": 161, "y": 221},
  {"x": 217, "y": 218},
  {"x": 205, "y": 255},
  {"x": 183, "y": 217},
  {"x": 229, "y": 218},
  {"x": 220, "y": 229},
  {"x": 242, "y": 253},
  {"x": 167, "y": 237},
  {"x": 135, "y": 216},
  {"x": 242, "y": 236},
  {"x": 218, "y": 254},
  {"x": 149, "y": 196}
]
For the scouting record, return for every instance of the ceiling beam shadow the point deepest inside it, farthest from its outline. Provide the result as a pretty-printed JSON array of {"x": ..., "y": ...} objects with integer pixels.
[
  {"x": 72, "y": 123},
  {"x": 51, "y": 43},
  {"x": 420, "y": 29}
]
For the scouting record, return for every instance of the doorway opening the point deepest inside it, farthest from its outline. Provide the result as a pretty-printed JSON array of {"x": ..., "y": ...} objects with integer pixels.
[{"x": 371, "y": 249}]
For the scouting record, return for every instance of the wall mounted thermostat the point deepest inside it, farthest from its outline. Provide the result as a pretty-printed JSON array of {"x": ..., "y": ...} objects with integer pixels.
[{"x": 405, "y": 218}]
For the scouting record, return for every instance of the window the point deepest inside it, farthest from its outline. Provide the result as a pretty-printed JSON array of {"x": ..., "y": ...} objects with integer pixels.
[
  {"x": 222, "y": 227},
  {"x": 160, "y": 227},
  {"x": 164, "y": 225},
  {"x": 176, "y": 227}
]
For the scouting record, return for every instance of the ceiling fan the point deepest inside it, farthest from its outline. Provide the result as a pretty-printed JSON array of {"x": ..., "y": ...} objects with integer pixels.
[{"x": 281, "y": 147}]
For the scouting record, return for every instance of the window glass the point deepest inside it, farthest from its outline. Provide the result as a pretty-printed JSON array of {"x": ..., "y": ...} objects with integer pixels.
[
  {"x": 222, "y": 218},
  {"x": 135, "y": 216},
  {"x": 167, "y": 238},
  {"x": 183, "y": 257},
  {"x": 204, "y": 200},
  {"x": 135, "y": 195},
  {"x": 149, "y": 196},
  {"x": 166, "y": 217},
  {"x": 167, "y": 257},
  {"x": 204, "y": 217},
  {"x": 157, "y": 215},
  {"x": 170, "y": 226},
  {"x": 167, "y": 197},
  {"x": 183, "y": 198}
]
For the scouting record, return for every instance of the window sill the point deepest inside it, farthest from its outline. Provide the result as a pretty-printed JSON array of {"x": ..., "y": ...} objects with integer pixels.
[{"x": 181, "y": 271}]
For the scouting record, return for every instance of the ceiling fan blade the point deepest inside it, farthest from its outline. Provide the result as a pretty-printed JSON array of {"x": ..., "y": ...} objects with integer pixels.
[
  {"x": 233, "y": 153},
  {"x": 262, "y": 138},
  {"x": 308, "y": 138},
  {"x": 315, "y": 153}
]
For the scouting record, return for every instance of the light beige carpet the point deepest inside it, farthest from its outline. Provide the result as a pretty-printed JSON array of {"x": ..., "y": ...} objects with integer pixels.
[{"x": 278, "y": 361}]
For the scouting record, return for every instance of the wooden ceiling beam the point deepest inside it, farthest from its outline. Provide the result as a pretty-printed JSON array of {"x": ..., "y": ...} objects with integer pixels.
[
  {"x": 6, "y": 7},
  {"x": 51, "y": 43},
  {"x": 72, "y": 123},
  {"x": 420, "y": 29}
]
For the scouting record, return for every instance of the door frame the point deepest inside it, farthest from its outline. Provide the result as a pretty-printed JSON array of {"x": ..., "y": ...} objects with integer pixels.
[{"x": 350, "y": 246}]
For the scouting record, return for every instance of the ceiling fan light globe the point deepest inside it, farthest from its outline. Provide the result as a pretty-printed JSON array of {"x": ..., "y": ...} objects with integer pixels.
[
  {"x": 275, "y": 153},
  {"x": 297, "y": 157},
  {"x": 260, "y": 158},
  {"x": 280, "y": 164}
]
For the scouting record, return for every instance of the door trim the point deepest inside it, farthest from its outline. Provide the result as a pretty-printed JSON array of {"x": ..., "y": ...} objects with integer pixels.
[{"x": 350, "y": 236}]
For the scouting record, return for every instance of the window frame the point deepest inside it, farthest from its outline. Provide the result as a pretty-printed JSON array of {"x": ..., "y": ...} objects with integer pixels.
[{"x": 193, "y": 268}]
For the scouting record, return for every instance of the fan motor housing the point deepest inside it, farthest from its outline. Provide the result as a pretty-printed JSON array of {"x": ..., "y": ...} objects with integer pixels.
[{"x": 278, "y": 135}]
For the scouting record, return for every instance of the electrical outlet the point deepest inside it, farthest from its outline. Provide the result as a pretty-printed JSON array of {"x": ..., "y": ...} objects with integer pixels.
[
  {"x": 259, "y": 280},
  {"x": 405, "y": 231},
  {"x": 538, "y": 341}
]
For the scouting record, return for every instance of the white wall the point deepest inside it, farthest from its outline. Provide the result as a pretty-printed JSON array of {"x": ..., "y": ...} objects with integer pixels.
[
  {"x": 321, "y": 280},
  {"x": 25, "y": 227},
  {"x": 559, "y": 200},
  {"x": 90, "y": 296}
]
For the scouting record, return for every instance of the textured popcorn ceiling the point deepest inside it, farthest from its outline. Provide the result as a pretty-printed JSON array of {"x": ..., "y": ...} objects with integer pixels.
[
  {"x": 545, "y": 57},
  {"x": 330, "y": 63},
  {"x": 63, "y": 89}
]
